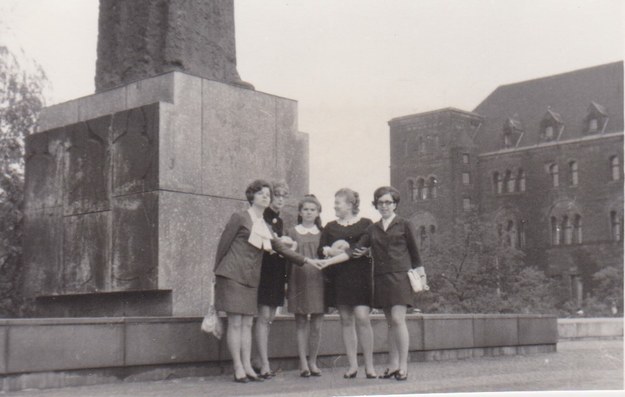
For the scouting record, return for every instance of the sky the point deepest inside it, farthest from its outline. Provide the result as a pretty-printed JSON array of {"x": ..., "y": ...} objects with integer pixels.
[{"x": 353, "y": 65}]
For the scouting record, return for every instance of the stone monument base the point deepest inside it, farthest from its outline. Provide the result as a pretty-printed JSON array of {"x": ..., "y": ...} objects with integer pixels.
[
  {"x": 127, "y": 191},
  {"x": 47, "y": 353}
]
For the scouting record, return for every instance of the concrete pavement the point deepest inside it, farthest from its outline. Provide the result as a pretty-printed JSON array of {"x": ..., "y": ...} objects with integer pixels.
[{"x": 578, "y": 365}]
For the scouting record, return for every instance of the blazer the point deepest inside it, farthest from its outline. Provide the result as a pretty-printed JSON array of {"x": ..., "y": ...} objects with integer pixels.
[
  {"x": 393, "y": 250},
  {"x": 239, "y": 260}
]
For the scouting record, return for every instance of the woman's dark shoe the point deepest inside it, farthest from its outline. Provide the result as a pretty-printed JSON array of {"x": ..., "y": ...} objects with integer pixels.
[
  {"x": 401, "y": 375},
  {"x": 240, "y": 380},
  {"x": 315, "y": 373},
  {"x": 350, "y": 376},
  {"x": 369, "y": 376},
  {"x": 254, "y": 378},
  {"x": 305, "y": 374},
  {"x": 388, "y": 374},
  {"x": 268, "y": 375}
]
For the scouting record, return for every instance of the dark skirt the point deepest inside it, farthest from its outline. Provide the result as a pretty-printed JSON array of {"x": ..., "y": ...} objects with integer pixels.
[
  {"x": 350, "y": 283},
  {"x": 232, "y": 297},
  {"x": 271, "y": 289},
  {"x": 392, "y": 289}
]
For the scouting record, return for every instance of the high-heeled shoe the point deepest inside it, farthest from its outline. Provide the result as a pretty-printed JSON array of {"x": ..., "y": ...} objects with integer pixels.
[
  {"x": 347, "y": 375},
  {"x": 369, "y": 376},
  {"x": 315, "y": 373},
  {"x": 401, "y": 375},
  {"x": 267, "y": 375},
  {"x": 255, "y": 378},
  {"x": 305, "y": 374},
  {"x": 241, "y": 380},
  {"x": 389, "y": 374}
]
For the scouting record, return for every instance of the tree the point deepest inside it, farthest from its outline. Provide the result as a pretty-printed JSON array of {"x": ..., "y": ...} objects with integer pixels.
[
  {"x": 21, "y": 99},
  {"x": 471, "y": 269}
]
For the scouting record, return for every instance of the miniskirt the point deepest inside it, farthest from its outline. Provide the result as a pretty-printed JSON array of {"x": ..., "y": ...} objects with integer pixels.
[
  {"x": 233, "y": 297},
  {"x": 390, "y": 289}
]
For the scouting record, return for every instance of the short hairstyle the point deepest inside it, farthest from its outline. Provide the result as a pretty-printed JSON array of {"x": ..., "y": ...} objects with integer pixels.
[
  {"x": 309, "y": 198},
  {"x": 255, "y": 187},
  {"x": 280, "y": 185},
  {"x": 381, "y": 191},
  {"x": 351, "y": 197}
]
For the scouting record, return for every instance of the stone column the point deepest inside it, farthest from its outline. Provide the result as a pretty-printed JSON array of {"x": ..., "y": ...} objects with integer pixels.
[{"x": 143, "y": 38}]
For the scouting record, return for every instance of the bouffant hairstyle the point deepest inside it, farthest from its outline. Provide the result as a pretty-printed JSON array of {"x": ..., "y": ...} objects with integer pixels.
[
  {"x": 280, "y": 186},
  {"x": 257, "y": 186},
  {"x": 309, "y": 198},
  {"x": 381, "y": 191},
  {"x": 351, "y": 197}
]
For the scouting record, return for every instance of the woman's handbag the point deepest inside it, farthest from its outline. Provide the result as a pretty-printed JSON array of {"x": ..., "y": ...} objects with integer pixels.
[
  {"x": 211, "y": 324},
  {"x": 418, "y": 279}
]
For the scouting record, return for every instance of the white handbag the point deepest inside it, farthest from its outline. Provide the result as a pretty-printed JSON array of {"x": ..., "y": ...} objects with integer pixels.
[{"x": 418, "y": 279}]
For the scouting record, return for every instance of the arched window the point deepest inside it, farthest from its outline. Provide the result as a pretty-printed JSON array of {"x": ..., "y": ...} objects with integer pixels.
[
  {"x": 617, "y": 226},
  {"x": 521, "y": 180},
  {"x": 573, "y": 177},
  {"x": 421, "y": 193},
  {"x": 414, "y": 192},
  {"x": 511, "y": 237},
  {"x": 616, "y": 168},
  {"x": 498, "y": 182},
  {"x": 555, "y": 231},
  {"x": 554, "y": 172},
  {"x": 433, "y": 182},
  {"x": 577, "y": 229},
  {"x": 509, "y": 182},
  {"x": 568, "y": 230},
  {"x": 522, "y": 234}
]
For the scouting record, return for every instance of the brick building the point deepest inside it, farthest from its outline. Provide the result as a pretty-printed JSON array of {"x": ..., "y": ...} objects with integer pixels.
[{"x": 541, "y": 159}]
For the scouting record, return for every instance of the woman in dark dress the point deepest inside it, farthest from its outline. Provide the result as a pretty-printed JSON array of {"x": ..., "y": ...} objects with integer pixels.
[
  {"x": 349, "y": 286},
  {"x": 272, "y": 280},
  {"x": 393, "y": 244},
  {"x": 237, "y": 273}
]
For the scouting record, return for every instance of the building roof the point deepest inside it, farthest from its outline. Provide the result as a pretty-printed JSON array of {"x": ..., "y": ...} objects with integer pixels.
[{"x": 569, "y": 97}]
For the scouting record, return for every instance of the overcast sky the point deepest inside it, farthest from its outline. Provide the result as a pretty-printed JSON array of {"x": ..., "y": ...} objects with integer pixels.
[{"x": 355, "y": 64}]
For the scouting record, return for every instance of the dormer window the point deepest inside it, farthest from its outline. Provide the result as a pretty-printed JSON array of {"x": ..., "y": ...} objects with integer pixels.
[
  {"x": 596, "y": 119},
  {"x": 512, "y": 132},
  {"x": 551, "y": 126}
]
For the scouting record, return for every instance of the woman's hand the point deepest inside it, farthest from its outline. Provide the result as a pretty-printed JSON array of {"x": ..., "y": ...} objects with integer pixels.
[{"x": 358, "y": 252}]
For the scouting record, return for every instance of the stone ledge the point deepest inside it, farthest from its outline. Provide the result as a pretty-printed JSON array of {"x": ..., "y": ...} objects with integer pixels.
[
  {"x": 590, "y": 328},
  {"x": 86, "y": 350}
]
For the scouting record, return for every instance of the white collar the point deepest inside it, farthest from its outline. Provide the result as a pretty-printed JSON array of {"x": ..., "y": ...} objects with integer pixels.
[
  {"x": 348, "y": 222},
  {"x": 386, "y": 222},
  {"x": 260, "y": 235},
  {"x": 307, "y": 230}
]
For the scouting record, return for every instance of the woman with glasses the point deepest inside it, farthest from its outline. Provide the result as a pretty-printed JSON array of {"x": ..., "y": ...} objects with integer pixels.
[
  {"x": 393, "y": 244},
  {"x": 272, "y": 280}
]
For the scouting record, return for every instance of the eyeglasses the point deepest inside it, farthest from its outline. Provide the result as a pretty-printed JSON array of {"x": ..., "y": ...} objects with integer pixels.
[
  {"x": 385, "y": 202},
  {"x": 283, "y": 195}
]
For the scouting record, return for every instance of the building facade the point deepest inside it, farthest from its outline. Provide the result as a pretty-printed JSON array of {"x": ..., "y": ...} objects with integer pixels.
[{"x": 542, "y": 160}]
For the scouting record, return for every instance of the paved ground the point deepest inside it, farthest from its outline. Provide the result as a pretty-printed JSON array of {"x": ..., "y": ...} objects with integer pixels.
[{"x": 578, "y": 365}]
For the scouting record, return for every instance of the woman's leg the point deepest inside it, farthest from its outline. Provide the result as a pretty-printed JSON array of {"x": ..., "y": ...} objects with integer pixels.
[
  {"x": 402, "y": 338},
  {"x": 234, "y": 343},
  {"x": 365, "y": 336},
  {"x": 246, "y": 344},
  {"x": 348, "y": 326},
  {"x": 313, "y": 341},
  {"x": 266, "y": 315},
  {"x": 393, "y": 354},
  {"x": 301, "y": 325}
]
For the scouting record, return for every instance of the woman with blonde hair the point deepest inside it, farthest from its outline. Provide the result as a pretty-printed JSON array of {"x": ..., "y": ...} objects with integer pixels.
[{"x": 350, "y": 285}]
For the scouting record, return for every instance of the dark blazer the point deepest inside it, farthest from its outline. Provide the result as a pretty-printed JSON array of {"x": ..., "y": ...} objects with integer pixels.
[
  {"x": 239, "y": 260},
  {"x": 393, "y": 250}
]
